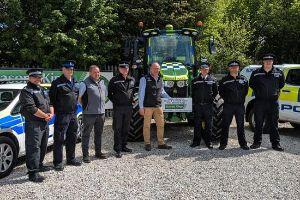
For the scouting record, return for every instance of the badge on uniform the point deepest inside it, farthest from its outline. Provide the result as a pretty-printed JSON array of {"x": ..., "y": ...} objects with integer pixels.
[
  {"x": 241, "y": 81},
  {"x": 276, "y": 75}
]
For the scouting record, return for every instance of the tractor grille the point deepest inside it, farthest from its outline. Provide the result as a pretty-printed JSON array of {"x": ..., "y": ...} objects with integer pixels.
[{"x": 176, "y": 91}]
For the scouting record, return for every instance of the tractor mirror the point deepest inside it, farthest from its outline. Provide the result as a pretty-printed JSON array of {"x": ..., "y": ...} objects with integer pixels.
[{"x": 212, "y": 47}]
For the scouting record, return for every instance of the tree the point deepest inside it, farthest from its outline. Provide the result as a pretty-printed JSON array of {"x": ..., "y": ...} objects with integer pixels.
[
  {"x": 55, "y": 30},
  {"x": 232, "y": 36},
  {"x": 158, "y": 13}
]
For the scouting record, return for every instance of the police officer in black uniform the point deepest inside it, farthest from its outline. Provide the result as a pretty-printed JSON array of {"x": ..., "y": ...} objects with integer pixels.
[
  {"x": 63, "y": 96},
  {"x": 266, "y": 83},
  {"x": 36, "y": 108},
  {"x": 120, "y": 92},
  {"x": 204, "y": 91},
  {"x": 233, "y": 88}
]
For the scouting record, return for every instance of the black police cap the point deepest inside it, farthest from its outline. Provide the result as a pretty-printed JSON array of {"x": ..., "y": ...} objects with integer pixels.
[
  {"x": 204, "y": 65},
  {"x": 69, "y": 64},
  {"x": 124, "y": 65},
  {"x": 233, "y": 63},
  {"x": 36, "y": 72},
  {"x": 269, "y": 56}
]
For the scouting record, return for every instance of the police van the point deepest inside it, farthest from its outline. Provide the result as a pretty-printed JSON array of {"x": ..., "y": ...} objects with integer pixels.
[
  {"x": 289, "y": 99},
  {"x": 12, "y": 136}
]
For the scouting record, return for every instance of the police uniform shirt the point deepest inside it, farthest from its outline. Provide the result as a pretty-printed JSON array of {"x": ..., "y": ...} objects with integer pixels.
[
  {"x": 233, "y": 90},
  {"x": 204, "y": 89},
  {"x": 121, "y": 90},
  {"x": 32, "y": 98},
  {"x": 267, "y": 85},
  {"x": 63, "y": 95}
]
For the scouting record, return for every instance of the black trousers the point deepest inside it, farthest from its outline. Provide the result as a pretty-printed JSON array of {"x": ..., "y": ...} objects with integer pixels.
[
  {"x": 203, "y": 113},
  {"x": 65, "y": 130},
  {"x": 121, "y": 125},
  {"x": 91, "y": 121},
  {"x": 268, "y": 112},
  {"x": 230, "y": 110},
  {"x": 36, "y": 139}
]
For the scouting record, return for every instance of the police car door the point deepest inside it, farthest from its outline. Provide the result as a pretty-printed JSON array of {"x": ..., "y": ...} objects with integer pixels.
[{"x": 289, "y": 99}]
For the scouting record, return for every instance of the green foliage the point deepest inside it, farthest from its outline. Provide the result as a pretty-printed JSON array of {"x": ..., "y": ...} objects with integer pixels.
[
  {"x": 46, "y": 32},
  {"x": 232, "y": 35},
  {"x": 52, "y": 31}
]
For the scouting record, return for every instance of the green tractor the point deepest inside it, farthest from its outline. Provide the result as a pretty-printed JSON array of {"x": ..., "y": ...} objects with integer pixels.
[{"x": 175, "y": 51}]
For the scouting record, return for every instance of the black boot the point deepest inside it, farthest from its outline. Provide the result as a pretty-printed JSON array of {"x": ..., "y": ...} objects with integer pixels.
[
  {"x": 118, "y": 154},
  {"x": 245, "y": 147},
  {"x": 74, "y": 162},
  {"x": 222, "y": 147},
  {"x": 86, "y": 159},
  {"x": 194, "y": 144},
  {"x": 59, "y": 167},
  {"x": 277, "y": 147},
  {"x": 255, "y": 146},
  {"x": 101, "y": 155},
  {"x": 44, "y": 168},
  {"x": 125, "y": 149},
  {"x": 35, "y": 177}
]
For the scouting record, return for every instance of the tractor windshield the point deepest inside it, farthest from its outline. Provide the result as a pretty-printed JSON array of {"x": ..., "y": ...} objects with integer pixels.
[{"x": 168, "y": 48}]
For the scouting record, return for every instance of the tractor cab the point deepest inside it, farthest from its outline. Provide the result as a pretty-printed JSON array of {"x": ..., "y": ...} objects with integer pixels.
[{"x": 174, "y": 50}]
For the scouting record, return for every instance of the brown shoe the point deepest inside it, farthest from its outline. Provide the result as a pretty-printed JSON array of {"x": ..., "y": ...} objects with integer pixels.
[
  {"x": 164, "y": 146},
  {"x": 148, "y": 147}
]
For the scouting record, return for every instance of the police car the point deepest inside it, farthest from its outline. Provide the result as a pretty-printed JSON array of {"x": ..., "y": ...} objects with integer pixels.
[
  {"x": 12, "y": 136},
  {"x": 289, "y": 99}
]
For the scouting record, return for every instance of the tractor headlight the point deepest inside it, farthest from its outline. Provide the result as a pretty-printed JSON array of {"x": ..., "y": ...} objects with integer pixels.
[
  {"x": 186, "y": 32},
  {"x": 194, "y": 33},
  {"x": 181, "y": 83},
  {"x": 169, "y": 84}
]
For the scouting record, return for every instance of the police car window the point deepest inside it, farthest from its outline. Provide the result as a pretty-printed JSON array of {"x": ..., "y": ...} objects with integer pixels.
[
  {"x": 293, "y": 77},
  {"x": 6, "y": 97}
]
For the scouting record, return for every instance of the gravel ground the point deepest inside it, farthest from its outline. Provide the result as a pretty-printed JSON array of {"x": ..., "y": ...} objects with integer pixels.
[{"x": 182, "y": 173}]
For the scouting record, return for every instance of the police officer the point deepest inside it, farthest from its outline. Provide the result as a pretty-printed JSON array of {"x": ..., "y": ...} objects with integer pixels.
[
  {"x": 63, "y": 96},
  {"x": 92, "y": 95},
  {"x": 37, "y": 111},
  {"x": 204, "y": 91},
  {"x": 266, "y": 83},
  {"x": 233, "y": 88},
  {"x": 120, "y": 92}
]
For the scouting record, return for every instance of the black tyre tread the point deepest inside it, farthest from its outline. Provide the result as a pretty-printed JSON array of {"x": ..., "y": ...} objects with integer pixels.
[
  {"x": 217, "y": 119},
  {"x": 136, "y": 124},
  {"x": 80, "y": 128}
]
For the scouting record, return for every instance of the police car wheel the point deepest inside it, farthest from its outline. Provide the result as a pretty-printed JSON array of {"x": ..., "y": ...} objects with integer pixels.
[
  {"x": 8, "y": 156},
  {"x": 136, "y": 123},
  {"x": 217, "y": 119},
  {"x": 80, "y": 128},
  {"x": 296, "y": 126}
]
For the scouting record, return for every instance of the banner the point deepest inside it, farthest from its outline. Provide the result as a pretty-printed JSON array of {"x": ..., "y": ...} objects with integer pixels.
[{"x": 51, "y": 75}]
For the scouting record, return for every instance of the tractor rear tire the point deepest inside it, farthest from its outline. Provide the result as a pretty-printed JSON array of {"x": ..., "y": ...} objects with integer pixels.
[
  {"x": 136, "y": 123},
  {"x": 217, "y": 118}
]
